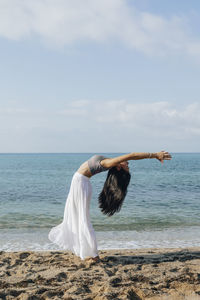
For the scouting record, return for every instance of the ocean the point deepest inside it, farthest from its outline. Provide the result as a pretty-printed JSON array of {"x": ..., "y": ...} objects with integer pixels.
[{"x": 161, "y": 209}]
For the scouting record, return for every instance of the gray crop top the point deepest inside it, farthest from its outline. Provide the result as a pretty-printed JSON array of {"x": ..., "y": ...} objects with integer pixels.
[{"x": 94, "y": 164}]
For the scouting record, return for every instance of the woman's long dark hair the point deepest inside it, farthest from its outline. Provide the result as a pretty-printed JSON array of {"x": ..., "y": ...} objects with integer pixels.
[{"x": 114, "y": 191}]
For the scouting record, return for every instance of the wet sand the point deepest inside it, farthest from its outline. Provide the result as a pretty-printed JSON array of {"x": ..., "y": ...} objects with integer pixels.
[{"x": 166, "y": 274}]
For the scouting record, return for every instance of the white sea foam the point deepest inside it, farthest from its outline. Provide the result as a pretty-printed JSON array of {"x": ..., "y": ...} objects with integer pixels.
[{"x": 18, "y": 240}]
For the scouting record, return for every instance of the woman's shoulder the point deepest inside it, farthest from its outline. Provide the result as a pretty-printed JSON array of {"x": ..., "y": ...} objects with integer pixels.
[{"x": 94, "y": 164}]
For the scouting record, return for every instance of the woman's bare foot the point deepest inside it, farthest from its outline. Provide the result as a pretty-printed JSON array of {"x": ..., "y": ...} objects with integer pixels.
[{"x": 96, "y": 258}]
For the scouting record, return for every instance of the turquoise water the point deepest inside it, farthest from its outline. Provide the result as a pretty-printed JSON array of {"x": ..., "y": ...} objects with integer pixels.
[{"x": 162, "y": 207}]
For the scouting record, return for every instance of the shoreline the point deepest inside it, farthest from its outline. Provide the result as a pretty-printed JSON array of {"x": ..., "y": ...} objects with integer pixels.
[
  {"x": 37, "y": 239},
  {"x": 151, "y": 273}
]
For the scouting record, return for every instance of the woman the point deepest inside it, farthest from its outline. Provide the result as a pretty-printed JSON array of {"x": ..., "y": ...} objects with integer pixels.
[{"x": 76, "y": 233}]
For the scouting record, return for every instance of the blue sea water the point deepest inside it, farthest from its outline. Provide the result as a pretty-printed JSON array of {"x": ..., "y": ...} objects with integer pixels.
[{"x": 162, "y": 207}]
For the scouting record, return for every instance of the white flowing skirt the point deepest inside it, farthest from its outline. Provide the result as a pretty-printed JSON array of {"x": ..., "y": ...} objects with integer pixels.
[{"x": 76, "y": 233}]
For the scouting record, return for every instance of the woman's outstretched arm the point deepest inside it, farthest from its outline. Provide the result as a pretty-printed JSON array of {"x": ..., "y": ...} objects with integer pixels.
[{"x": 112, "y": 162}]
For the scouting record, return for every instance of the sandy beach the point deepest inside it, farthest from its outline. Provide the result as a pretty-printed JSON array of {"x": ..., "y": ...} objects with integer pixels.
[{"x": 167, "y": 274}]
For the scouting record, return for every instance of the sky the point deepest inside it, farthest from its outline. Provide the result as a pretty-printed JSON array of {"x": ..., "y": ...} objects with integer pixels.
[{"x": 99, "y": 76}]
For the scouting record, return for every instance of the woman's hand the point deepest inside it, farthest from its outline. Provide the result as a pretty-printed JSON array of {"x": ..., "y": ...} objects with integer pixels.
[{"x": 163, "y": 155}]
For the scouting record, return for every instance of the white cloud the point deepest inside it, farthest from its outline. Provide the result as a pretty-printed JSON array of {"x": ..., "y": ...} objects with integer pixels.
[
  {"x": 13, "y": 111},
  {"x": 148, "y": 118},
  {"x": 63, "y": 22},
  {"x": 71, "y": 112},
  {"x": 156, "y": 117},
  {"x": 101, "y": 126},
  {"x": 75, "y": 108}
]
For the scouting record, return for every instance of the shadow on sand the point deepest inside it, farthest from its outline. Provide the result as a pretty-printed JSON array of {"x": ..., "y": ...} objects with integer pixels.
[{"x": 181, "y": 256}]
